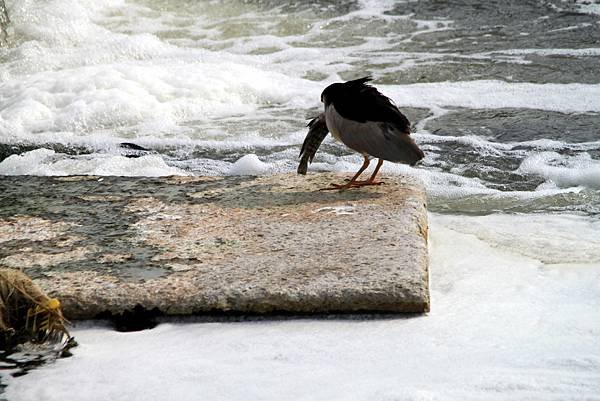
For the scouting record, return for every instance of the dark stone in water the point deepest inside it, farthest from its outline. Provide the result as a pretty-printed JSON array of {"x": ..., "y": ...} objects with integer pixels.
[
  {"x": 133, "y": 150},
  {"x": 129, "y": 145}
]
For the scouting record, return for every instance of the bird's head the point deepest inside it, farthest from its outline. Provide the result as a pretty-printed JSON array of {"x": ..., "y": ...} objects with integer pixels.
[
  {"x": 332, "y": 93},
  {"x": 340, "y": 90}
]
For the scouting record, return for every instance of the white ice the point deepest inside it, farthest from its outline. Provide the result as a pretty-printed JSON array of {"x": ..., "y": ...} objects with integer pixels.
[{"x": 504, "y": 325}]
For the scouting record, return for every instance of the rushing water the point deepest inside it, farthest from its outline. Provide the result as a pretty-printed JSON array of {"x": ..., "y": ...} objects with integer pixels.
[{"x": 504, "y": 97}]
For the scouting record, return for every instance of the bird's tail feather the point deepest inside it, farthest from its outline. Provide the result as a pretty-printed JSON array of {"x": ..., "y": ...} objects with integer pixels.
[
  {"x": 316, "y": 134},
  {"x": 303, "y": 166}
]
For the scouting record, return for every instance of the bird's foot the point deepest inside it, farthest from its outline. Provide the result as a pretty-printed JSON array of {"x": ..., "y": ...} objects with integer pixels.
[
  {"x": 351, "y": 184},
  {"x": 365, "y": 182},
  {"x": 332, "y": 187}
]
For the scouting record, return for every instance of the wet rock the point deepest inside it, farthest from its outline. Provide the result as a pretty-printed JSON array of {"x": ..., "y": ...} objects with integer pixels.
[{"x": 188, "y": 245}]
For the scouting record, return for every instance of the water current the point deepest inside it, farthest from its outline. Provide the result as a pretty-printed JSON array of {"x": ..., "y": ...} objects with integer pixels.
[{"x": 503, "y": 96}]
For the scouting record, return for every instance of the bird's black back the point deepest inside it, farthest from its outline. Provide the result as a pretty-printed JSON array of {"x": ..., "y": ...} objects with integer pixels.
[{"x": 358, "y": 101}]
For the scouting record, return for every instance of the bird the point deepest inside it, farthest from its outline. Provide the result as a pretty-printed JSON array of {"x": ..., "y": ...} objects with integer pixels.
[{"x": 366, "y": 121}]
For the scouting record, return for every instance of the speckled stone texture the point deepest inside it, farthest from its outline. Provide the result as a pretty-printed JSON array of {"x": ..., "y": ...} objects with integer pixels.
[{"x": 218, "y": 244}]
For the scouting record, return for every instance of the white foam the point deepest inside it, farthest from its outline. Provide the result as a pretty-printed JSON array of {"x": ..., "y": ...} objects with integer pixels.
[
  {"x": 80, "y": 72},
  {"x": 564, "y": 171},
  {"x": 481, "y": 144},
  {"x": 497, "y": 94},
  {"x": 140, "y": 103},
  {"x": 585, "y": 52},
  {"x": 248, "y": 165},
  {"x": 140, "y": 97},
  {"x": 48, "y": 163},
  {"x": 26, "y": 163},
  {"x": 588, "y": 7},
  {"x": 59, "y": 22},
  {"x": 503, "y": 326},
  {"x": 549, "y": 144},
  {"x": 73, "y": 77}
]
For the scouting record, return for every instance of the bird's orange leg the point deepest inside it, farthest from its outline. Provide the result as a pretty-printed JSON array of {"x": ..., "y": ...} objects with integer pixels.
[
  {"x": 371, "y": 180},
  {"x": 352, "y": 182}
]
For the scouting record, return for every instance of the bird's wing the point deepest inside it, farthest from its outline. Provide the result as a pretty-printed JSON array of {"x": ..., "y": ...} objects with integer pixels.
[
  {"x": 378, "y": 139},
  {"x": 365, "y": 103},
  {"x": 316, "y": 134}
]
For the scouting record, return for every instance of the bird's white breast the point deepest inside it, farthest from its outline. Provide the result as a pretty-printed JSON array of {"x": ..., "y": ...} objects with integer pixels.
[
  {"x": 334, "y": 122},
  {"x": 351, "y": 133}
]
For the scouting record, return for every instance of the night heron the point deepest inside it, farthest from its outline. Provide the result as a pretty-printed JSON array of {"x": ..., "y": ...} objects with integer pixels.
[{"x": 366, "y": 121}]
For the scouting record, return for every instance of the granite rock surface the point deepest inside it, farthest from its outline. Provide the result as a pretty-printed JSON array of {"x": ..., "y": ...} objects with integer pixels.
[{"x": 190, "y": 245}]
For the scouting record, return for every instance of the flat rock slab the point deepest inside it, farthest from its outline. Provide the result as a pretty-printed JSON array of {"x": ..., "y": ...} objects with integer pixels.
[{"x": 218, "y": 244}]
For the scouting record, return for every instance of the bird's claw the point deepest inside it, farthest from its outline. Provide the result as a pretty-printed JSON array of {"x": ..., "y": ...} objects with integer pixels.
[
  {"x": 354, "y": 184},
  {"x": 334, "y": 187},
  {"x": 365, "y": 183}
]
